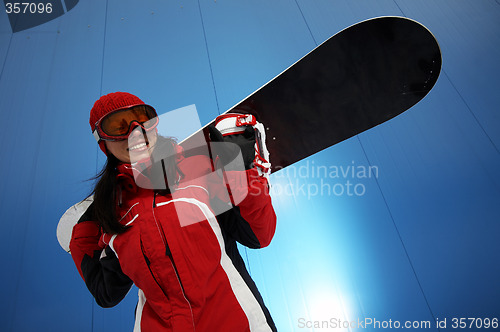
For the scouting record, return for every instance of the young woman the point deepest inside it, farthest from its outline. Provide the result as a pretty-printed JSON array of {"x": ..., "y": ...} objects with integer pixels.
[{"x": 168, "y": 241}]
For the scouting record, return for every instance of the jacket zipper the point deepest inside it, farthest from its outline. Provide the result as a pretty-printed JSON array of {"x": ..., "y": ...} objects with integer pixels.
[
  {"x": 169, "y": 254},
  {"x": 148, "y": 263}
]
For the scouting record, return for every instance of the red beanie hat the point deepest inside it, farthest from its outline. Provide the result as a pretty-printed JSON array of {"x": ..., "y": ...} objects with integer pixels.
[{"x": 107, "y": 104}]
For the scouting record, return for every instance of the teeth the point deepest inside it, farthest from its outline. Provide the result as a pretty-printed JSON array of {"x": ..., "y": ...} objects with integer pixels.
[{"x": 138, "y": 146}]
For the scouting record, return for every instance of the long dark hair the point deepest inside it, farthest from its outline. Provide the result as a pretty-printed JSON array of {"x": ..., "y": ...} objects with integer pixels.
[
  {"x": 104, "y": 205},
  {"x": 105, "y": 190}
]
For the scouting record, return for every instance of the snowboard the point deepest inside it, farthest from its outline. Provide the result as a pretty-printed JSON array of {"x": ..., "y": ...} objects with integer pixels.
[{"x": 359, "y": 78}]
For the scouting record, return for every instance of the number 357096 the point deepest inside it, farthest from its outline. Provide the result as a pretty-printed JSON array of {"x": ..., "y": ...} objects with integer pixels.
[{"x": 28, "y": 8}]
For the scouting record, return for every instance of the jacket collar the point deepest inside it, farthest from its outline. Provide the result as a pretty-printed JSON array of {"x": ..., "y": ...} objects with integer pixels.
[{"x": 139, "y": 174}]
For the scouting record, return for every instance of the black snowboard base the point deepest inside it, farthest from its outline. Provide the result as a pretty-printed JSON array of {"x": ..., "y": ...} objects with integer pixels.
[{"x": 359, "y": 78}]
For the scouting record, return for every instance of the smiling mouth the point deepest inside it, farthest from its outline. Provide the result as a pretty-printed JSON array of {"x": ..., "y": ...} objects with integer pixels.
[{"x": 139, "y": 146}]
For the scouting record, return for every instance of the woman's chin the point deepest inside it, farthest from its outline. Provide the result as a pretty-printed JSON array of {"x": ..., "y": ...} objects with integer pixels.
[{"x": 139, "y": 156}]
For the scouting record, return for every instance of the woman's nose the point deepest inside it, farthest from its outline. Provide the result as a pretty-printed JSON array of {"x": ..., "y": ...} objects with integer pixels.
[{"x": 136, "y": 129}]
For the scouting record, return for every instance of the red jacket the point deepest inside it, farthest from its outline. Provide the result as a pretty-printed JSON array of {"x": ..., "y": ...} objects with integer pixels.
[{"x": 180, "y": 254}]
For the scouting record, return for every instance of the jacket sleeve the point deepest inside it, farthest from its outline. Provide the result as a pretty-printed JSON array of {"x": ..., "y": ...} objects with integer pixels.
[
  {"x": 252, "y": 221},
  {"x": 99, "y": 267}
]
